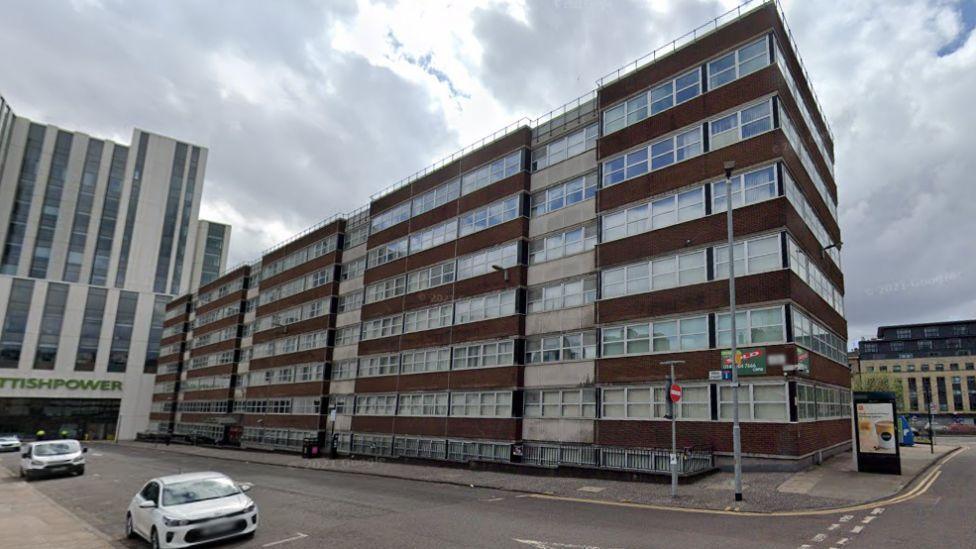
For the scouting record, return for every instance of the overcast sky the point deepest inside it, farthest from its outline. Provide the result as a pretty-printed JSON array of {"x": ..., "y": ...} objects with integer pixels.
[{"x": 308, "y": 108}]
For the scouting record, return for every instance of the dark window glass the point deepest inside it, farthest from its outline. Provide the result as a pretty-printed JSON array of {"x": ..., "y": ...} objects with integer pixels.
[
  {"x": 51, "y": 206},
  {"x": 15, "y": 324},
  {"x": 122, "y": 336},
  {"x": 212, "y": 252},
  {"x": 957, "y": 393},
  {"x": 169, "y": 218},
  {"x": 155, "y": 333},
  {"x": 130, "y": 213},
  {"x": 927, "y": 391},
  {"x": 91, "y": 330},
  {"x": 83, "y": 209},
  {"x": 189, "y": 189},
  {"x": 22, "y": 199},
  {"x": 943, "y": 400},
  {"x": 47, "y": 342},
  {"x": 971, "y": 385},
  {"x": 110, "y": 214},
  {"x": 912, "y": 394}
]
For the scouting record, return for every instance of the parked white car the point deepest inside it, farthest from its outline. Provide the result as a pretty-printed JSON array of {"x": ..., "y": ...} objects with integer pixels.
[
  {"x": 9, "y": 443},
  {"x": 190, "y": 509},
  {"x": 52, "y": 457}
]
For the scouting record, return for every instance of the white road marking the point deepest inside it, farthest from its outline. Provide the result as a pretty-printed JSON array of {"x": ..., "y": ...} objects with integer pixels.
[
  {"x": 843, "y": 541},
  {"x": 819, "y": 537},
  {"x": 846, "y": 518},
  {"x": 493, "y": 499},
  {"x": 286, "y": 540},
  {"x": 857, "y": 529},
  {"x": 96, "y": 454},
  {"x": 552, "y": 545},
  {"x": 878, "y": 510},
  {"x": 805, "y": 546},
  {"x": 833, "y": 526},
  {"x": 867, "y": 520}
]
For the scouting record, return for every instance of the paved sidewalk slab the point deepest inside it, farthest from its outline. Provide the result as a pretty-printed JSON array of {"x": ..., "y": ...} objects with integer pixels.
[
  {"x": 833, "y": 484},
  {"x": 33, "y": 520}
]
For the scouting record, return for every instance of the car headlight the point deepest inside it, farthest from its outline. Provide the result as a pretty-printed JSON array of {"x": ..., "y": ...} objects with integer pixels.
[
  {"x": 175, "y": 522},
  {"x": 37, "y": 463},
  {"x": 79, "y": 459},
  {"x": 250, "y": 508}
]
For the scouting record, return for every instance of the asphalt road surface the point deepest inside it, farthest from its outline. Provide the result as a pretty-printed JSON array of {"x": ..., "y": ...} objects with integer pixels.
[{"x": 310, "y": 509}]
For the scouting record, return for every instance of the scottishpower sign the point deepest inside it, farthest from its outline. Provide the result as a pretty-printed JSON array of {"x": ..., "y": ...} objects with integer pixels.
[{"x": 55, "y": 384}]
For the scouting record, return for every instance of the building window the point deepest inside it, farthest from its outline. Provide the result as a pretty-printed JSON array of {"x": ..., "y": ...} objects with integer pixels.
[
  {"x": 23, "y": 197},
  {"x": 561, "y": 347},
  {"x": 430, "y": 277},
  {"x": 436, "y": 197},
  {"x": 741, "y": 125},
  {"x": 348, "y": 335},
  {"x": 484, "y": 355},
  {"x": 489, "y": 216},
  {"x": 376, "y": 405},
  {"x": 51, "y": 206},
  {"x": 391, "y": 217},
  {"x": 661, "y": 97},
  {"x": 912, "y": 394},
  {"x": 659, "y": 213},
  {"x": 110, "y": 212},
  {"x": 380, "y": 365},
  {"x": 50, "y": 329},
  {"x": 564, "y": 147},
  {"x": 91, "y": 330},
  {"x": 433, "y": 236},
  {"x": 350, "y": 302},
  {"x": 483, "y": 261},
  {"x": 490, "y": 173},
  {"x": 385, "y": 253},
  {"x": 903, "y": 333},
  {"x": 562, "y": 244},
  {"x": 656, "y": 274},
  {"x": 122, "y": 336},
  {"x": 747, "y": 188},
  {"x": 352, "y": 269},
  {"x": 427, "y": 319},
  {"x": 565, "y": 194},
  {"x": 83, "y": 208},
  {"x": 931, "y": 331},
  {"x": 660, "y": 154},
  {"x": 562, "y": 294},
  {"x": 423, "y": 404},
  {"x": 943, "y": 398},
  {"x": 386, "y": 289},
  {"x": 344, "y": 369},
  {"x": 633, "y": 403},
  {"x": 355, "y": 235},
  {"x": 560, "y": 403},
  {"x": 482, "y": 404},
  {"x": 686, "y": 334},
  {"x": 425, "y": 360},
  {"x": 971, "y": 386},
  {"x": 753, "y": 256},
  {"x": 757, "y": 402},
  {"x": 155, "y": 334},
  {"x": 485, "y": 307},
  {"x": 752, "y": 327},
  {"x": 957, "y": 393},
  {"x": 739, "y": 63},
  {"x": 383, "y": 327}
]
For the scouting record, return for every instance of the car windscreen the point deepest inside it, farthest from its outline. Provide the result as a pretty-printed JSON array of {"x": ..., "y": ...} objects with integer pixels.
[
  {"x": 198, "y": 490},
  {"x": 56, "y": 448}
]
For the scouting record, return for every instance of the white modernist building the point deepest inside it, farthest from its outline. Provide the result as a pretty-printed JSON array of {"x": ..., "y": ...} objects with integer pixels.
[{"x": 96, "y": 238}]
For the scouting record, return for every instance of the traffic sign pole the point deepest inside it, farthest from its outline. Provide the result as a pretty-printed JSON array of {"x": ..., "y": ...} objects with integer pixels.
[
  {"x": 674, "y": 395},
  {"x": 736, "y": 431}
]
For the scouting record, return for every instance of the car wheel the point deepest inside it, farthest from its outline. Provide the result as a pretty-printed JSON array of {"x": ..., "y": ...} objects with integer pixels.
[
  {"x": 21, "y": 472},
  {"x": 80, "y": 471},
  {"x": 129, "y": 532},
  {"x": 154, "y": 539}
]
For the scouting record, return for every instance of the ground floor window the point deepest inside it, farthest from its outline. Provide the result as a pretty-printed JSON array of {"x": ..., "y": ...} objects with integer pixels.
[{"x": 84, "y": 419}]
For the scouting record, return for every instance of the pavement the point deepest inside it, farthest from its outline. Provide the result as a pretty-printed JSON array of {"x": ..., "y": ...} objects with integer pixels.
[
  {"x": 304, "y": 509},
  {"x": 28, "y": 518},
  {"x": 834, "y": 484}
]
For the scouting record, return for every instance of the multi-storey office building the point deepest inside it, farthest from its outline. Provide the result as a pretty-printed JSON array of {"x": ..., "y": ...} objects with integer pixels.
[
  {"x": 518, "y": 298},
  {"x": 934, "y": 362},
  {"x": 97, "y": 238},
  {"x": 211, "y": 252}
]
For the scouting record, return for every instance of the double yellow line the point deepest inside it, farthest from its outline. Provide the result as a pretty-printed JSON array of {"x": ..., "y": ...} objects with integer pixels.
[{"x": 921, "y": 486}]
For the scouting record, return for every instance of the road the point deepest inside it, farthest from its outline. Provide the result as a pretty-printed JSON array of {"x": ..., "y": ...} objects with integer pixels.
[{"x": 310, "y": 509}]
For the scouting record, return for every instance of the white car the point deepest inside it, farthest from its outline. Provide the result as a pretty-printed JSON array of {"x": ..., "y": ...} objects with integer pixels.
[
  {"x": 9, "y": 443},
  {"x": 189, "y": 509},
  {"x": 51, "y": 457}
]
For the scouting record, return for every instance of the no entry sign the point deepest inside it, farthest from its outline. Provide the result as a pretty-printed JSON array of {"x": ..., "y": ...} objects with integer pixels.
[{"x": 675, "y": 392}]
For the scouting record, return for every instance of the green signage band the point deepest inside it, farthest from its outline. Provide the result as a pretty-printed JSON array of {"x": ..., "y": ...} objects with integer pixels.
[
  {"x": 753, "y": 361},
  {"x": 33, "y": 383}
]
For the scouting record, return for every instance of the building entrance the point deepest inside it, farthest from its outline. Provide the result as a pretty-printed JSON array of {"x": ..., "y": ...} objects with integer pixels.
[{"x": 84, "y": 419}]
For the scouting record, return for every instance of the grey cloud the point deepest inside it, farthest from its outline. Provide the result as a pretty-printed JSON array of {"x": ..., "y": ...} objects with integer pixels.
[{"x": 357, "y": 127}]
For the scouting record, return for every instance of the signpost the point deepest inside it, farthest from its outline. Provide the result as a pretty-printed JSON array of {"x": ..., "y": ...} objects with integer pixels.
[
  {"x": 933, "y": 408},
  {"x": 675, "y": 395}
]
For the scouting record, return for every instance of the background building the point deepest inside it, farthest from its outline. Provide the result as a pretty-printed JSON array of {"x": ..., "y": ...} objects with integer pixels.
[
  {"x": 515, "y": 300},
  {"x": 934, "y": 362},
  {"x": 211, "y": 252},
  {"x": 97, "y": 238}
]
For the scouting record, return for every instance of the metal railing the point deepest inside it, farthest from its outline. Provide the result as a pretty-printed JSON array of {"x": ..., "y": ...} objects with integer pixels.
[
  {"x": 644, "y": 460},
  {"x": 559, "y": 117}
]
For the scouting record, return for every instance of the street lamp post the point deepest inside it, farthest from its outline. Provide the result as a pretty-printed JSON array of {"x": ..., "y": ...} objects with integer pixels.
[{"x": 736, "y": 430}]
